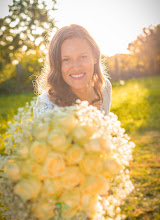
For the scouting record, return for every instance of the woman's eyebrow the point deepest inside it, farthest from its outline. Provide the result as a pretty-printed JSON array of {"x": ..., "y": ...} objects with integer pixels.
[
  {"x": 65, "y": 55},
  {"x": 68, "y": 55},
  {"x": 84, "y": 52}
]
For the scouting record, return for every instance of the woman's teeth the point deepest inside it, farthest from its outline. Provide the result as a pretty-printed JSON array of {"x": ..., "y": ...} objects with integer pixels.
[{"x": 78, "y": 76}]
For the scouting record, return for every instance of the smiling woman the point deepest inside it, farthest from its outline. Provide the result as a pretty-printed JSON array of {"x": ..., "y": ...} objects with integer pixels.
[
  {"x": 77, "y": 66},
  {"x": 74, "y": 72}
]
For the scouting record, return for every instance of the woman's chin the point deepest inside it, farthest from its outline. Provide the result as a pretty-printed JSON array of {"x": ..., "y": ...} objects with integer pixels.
[{"x": 79, "y": 88}]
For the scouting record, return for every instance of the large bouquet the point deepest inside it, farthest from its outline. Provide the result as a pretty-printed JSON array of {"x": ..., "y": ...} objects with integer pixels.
[{"x": 69, "y": 163}]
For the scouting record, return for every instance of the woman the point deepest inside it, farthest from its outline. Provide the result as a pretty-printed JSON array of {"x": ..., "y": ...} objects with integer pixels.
[{"x": 74, "y": 72}]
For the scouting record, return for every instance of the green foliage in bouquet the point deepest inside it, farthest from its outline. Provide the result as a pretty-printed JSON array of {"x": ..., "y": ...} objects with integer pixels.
[{"x": 69, "y": 163}]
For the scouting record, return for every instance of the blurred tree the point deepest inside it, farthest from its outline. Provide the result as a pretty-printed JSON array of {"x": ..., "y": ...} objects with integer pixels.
[
  {"x": 30, "y": 66},
  {"x": 121, "y": 66},
  {"x": 25, "y": 28},
  {"x": 146, "y": 49}
]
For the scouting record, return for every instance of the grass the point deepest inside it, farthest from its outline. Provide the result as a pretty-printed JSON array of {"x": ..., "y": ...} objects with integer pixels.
[
  {"x": 137, "y": 105},
  {"x": 9, "y": 106}
]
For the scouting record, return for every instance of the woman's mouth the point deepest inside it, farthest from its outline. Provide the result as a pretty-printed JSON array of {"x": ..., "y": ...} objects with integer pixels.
[{"x": 77, "y": 76}]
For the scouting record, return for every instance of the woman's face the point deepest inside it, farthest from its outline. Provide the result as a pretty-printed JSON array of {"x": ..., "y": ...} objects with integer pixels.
[{"x": 77, "y": 63}]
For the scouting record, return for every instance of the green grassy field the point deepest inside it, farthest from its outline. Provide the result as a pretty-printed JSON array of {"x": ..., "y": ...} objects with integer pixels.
[{"x": 137, "y": 104}]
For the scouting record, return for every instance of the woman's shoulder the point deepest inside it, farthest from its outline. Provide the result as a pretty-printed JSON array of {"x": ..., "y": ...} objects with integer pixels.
[
  {"x": 108, "y": 86},
  {"x": 107, "y": 95},
  {"x": 42, "y": 104},
  {"x": 43, "y": 98}
]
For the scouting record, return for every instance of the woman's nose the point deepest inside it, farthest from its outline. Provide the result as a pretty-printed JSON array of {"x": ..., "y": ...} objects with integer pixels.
[{"x": 76, "y": 64}]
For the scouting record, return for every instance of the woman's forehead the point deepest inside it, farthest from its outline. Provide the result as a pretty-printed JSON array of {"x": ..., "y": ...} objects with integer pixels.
[{"x": 73, "y": 45}]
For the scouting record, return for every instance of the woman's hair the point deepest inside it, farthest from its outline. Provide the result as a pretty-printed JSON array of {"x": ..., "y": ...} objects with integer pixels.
[{"x": 59, "y": 91}]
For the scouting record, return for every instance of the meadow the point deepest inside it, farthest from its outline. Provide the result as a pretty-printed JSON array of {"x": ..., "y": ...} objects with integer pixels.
[{"x": 137, "y": 105}]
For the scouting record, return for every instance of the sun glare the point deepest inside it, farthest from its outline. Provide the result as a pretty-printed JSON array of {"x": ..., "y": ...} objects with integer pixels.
[{"x": 113, "y": 24}]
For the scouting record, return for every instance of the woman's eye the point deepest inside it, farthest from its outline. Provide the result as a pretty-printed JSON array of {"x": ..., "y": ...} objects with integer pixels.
[
  {"x": 83, "y": 57},
  {"x": 66, "y": 60}
]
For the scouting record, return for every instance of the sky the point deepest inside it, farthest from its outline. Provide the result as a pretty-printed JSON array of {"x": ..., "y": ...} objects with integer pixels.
[{"x": 112, "y": 23}]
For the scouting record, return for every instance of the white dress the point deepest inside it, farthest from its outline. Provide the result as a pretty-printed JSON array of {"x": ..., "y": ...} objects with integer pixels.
[{"x": 43, "y": 102}]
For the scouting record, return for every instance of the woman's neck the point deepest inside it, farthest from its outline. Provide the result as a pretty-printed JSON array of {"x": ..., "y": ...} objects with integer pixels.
[{"x": 85, "y": 94}]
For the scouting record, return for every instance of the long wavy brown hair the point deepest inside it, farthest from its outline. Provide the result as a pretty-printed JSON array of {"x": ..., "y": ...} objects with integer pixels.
[{"x": 58, "y": 90}]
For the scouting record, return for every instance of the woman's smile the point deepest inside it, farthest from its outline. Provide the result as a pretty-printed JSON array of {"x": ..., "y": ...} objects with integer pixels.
[{"x": 77, "y": 76}]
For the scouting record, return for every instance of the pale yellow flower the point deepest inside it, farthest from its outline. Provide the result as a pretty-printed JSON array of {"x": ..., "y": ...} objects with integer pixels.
[
  {"x": 67, "y": 122},
  {"x": 98, "y": 144},
  {"x": 93, "y": 145},
  {"x": 52, "y": 188},
  {"x": 105, "y": 143},
  {"x": 72, "y": 177},
  {"x": 74, "y": 154},
  {"x": 88, "y": 202},
  {"x": 91, "y": 164},
  {"x": 31, "y": 168},
  {"x": 112, "y": 166},
  {"x": 54, "y": 165},
  {"x": 90, "y": 129},
  {"x": 12, "y": 170},
  {"x": 27, "y": 189},
  {"x": 41, "y": 130},
  {"x": 38, "y": 151},
  {"x": 80, "y": 134},
  {"x": 70, "y": 201},
  {"x": 71, "y": 198},
  {"x": 68, "y": 214},
  {"x": 98, "y": 185},
  {"x": 44, "y": 210},
  {"x": 57, "y": 139},
  {"x": 23, "y": 150}
]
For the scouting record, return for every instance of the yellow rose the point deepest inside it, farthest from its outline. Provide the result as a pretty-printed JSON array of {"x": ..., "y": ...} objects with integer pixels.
[
  {"x": 80, "y": 134},
  {"x": 91, "y": 164},
  {"x": 12, "y": 170},
  {"x": 52, "y": 188},
  {"x": 27, "y": 189},
  {"x": 70, "y": 198},
  {"x": 69, "y": 213},
  {"x": 44, "y": 210},
  {"x": 70, "y": 201},
  {"x": 90, "y": 129},
  {"x": 38, "y": 151},
  {"x": 89, "y": 203},
  {"x": 67, "y": 122},
  {"x": 41, "y": 131},
  {"x": 93, "y": 145},
  {"x": 98, "y": 144},
  {"x": 72, "y": 177},
  {"x": 57, "y": 139},
  {"x": 105, "y": 144},
  {"x": 31, "y": 168},
  {"x": 74, "y": 154},
  {"x": 98, "y": 185},
  {"x": 22, "y": 150},
  {"x": 111, "y": 166},
  {"x": 54, "y": 165}
]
